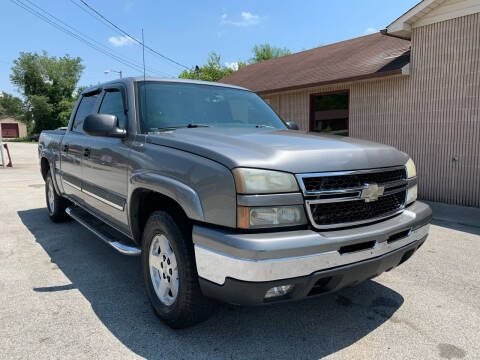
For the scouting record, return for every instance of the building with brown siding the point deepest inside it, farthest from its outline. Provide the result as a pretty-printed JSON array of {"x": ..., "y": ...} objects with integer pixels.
[{"x": 415, "y": 85}]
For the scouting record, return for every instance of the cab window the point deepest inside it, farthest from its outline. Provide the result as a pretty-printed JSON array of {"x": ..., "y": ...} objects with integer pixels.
[
  {"x": 112, "y": 104},
  {"x": 86, "y": 107}
]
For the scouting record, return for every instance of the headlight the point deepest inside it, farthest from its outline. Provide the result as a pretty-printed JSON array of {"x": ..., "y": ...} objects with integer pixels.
[
  {"x": 256, "y": 181},
  {"x": 411, "y": 169},
  {"x": 265, "y": 217}
]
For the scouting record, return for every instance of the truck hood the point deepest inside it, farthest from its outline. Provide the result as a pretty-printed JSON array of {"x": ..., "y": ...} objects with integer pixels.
[{"x": 284, "y": 150}]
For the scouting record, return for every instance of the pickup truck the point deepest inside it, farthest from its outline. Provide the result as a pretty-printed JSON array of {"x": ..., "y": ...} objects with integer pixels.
[{"x": 223, "y": 200}]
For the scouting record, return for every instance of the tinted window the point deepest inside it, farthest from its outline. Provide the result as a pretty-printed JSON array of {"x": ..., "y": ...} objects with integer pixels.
[
  {"x": 85, "y": 108},
  {"x": 113, "y": 104},
  {"x": 330, "y": 113},
  {"x": 164, "y": 104}
]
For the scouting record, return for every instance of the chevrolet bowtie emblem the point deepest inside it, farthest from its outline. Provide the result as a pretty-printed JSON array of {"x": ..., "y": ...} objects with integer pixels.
[{"x": 371, "y": 192}]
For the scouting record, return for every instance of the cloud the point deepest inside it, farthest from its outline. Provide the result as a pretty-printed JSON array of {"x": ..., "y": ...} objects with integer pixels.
[
  {"x": 370, "y": 30},
  {"x": 247, "y": 19},
  {"x": 120, "y": 40},
  {"x": 232, "y": 65},
  {"x": 127, "y": 6}
]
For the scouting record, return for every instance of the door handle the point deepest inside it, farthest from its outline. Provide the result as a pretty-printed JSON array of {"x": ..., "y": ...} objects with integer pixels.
[
  {"x": 86, "y": 152},
  {"x": 65, "y": 148}
]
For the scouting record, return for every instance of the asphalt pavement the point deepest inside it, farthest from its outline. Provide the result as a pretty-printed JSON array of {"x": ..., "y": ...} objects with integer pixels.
[{"x": 65, "y": 294}]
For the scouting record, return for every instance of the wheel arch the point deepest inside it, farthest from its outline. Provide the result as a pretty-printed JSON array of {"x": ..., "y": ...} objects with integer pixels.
[
  {"x": 47, "y": 162},
  {"x": 44, "y": 167},
  {"x": 151, "y": 192}
]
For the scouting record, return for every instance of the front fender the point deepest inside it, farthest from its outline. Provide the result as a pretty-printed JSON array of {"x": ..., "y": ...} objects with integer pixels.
[{"x": 184, "y": 195}]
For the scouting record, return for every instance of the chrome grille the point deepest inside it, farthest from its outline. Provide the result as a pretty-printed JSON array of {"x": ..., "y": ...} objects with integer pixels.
[
  {"x": 348, "y": 198},
  {"x": 352, "y": 181}
]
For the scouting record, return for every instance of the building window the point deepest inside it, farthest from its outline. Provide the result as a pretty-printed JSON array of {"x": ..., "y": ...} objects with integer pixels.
[{"x": 329, "y": 113}]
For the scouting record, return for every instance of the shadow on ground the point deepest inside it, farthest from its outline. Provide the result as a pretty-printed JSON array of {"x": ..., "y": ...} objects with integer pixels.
[
  {"x": 455, "y": 225},
  {"x": 113, "y": 285}
]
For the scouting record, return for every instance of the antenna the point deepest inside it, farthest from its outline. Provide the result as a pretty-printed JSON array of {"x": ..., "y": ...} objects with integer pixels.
[
  {"x": 143, "y": 55},
  {"x": 144, "y": 109}
]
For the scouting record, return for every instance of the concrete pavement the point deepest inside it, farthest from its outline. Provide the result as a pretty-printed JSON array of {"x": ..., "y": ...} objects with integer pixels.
[{"x": 65, "y": 294}]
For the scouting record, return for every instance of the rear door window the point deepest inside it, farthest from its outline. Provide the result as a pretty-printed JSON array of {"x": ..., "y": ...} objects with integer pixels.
[{"x": 86, "y": 107}]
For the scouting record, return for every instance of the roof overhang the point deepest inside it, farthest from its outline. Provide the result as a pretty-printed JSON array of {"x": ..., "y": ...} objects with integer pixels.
[
  {"x": 405, "y": 70},
  {"x": 402, "y": 27},
  {"x": 429, "y": 12}
]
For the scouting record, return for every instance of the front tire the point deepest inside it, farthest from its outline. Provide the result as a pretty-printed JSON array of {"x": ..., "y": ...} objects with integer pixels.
[
  {"x": 56, "y": 204},
  {"x": 170, "y": 273}
]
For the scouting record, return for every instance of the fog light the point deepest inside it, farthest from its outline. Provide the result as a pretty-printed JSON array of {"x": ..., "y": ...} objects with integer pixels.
[
  {"x": 278, "y": 291},
  {"x": 412, "y": 194}
]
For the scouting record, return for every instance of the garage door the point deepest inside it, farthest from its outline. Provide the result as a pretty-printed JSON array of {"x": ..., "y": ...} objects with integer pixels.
[{"x": 9, "y": 130}]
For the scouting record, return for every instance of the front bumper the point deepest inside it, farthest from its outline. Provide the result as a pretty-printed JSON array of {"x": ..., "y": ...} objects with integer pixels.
[{"x": 226, "y": 259}]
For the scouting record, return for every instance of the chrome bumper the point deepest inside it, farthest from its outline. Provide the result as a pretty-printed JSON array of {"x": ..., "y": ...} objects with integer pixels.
[{"x": 216, "y": 267}]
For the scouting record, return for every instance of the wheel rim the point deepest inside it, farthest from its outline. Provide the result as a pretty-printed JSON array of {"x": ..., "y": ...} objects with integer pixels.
[
  {"x": 163, "y": 269},
  {"x": 50, "y": 196}
]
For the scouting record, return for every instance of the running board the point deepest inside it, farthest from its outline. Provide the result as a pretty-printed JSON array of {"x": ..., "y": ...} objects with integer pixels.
[{"x": 105, "y": 232}]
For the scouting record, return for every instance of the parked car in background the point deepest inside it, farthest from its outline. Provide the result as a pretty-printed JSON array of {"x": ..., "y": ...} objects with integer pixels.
[
  {"x": 34, "y": 137},
  {"x": 224, "y": 200}
]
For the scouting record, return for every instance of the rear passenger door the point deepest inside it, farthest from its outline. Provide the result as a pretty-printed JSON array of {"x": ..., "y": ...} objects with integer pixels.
[
  {"x": 105, "y": 168},
  {"x": 73, "y": 145}
]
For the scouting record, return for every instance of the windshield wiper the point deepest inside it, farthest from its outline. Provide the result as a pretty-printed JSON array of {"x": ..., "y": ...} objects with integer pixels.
[
  {"x": 189, "y": 126},
  {"x": 195, "y": 126},
  {"x": 264, "y": 126}
]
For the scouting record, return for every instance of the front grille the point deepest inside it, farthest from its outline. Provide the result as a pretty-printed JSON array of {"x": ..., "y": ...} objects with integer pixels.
[
  {"x": 341, "y": 199},
  {"x": 355, "y": 180},
  {"x": 345, "y": 212}
]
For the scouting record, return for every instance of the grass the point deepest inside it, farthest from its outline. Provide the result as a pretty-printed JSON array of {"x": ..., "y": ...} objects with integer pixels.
[{"x": 21, "y": 139}]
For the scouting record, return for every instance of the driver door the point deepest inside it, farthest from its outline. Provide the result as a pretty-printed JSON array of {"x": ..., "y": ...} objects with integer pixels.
[{"x": 105, "y": 167}]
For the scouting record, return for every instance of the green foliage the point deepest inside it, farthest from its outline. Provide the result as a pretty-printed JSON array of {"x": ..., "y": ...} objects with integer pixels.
[
  {"x": 21, "y": 139},
  {"x": 241, "y": 64},
  {"x": 265, "y": 51},
  {"x": 11, "y": 106},
  {"x": 65, "y": 108},
  {"x": 213, "y": 70},
  {"x": 48, "y": 84},
  {"x": 42, "y": 112}
]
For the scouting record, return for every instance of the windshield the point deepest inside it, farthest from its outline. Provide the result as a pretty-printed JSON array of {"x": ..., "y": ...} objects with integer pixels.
[{"x": 166, "y": 105}]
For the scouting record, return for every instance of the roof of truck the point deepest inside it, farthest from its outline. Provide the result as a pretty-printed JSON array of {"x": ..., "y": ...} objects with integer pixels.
[{"x": 171, "y": 80}]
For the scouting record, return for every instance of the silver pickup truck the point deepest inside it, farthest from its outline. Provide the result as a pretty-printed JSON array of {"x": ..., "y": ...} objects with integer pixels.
[{"x": 225, "y": 201}]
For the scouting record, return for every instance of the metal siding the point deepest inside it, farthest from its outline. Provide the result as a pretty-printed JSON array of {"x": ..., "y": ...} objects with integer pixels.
[{"x": 432, "y": 114}]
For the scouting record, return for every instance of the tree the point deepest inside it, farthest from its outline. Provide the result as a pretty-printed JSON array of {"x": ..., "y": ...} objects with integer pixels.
[
  {"x": 48, "y": 84},
  {"x": 213, "y": 70},
  {"x": 11, "y": 106},
  {"x": 265, "y": 51}
]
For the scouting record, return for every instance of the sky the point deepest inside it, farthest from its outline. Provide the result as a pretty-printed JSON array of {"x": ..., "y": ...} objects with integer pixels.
[{"x": 185, "y": 31}]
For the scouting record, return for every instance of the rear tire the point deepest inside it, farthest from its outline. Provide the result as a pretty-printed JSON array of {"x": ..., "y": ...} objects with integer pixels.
[
  {"x": 170, "y": 272},
  {"x": 56, "y": 204}
]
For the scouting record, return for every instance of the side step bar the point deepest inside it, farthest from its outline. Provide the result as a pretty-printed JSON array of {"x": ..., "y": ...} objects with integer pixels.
[{"x": 111, "y": 236}]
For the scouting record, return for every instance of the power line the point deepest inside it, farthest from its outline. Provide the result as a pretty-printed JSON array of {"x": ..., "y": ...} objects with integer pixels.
[
  {"x": 66, "y": 31},
  {"x": 131, "y": 37},
  {"x": 89, "y": 13},
  {"x": 77, "y": 35},
  {"x": 107, "y": 49}
]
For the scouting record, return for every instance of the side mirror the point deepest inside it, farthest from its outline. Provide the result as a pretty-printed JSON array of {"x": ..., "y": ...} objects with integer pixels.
[
  {"x": 292, "y": 125},
  {"x": 103, "y": 125}
]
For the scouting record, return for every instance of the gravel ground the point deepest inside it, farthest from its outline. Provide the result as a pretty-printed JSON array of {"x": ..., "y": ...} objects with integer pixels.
[{"x": 65, "y": 294}]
